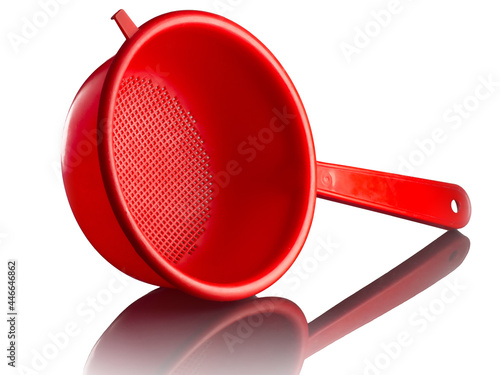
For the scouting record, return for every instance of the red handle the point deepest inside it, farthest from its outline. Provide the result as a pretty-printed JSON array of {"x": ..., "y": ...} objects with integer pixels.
[
  {"x": 426, "y": 201},
  {"x": 408, "y": 279},
  {"x": 126, "y": 25}
]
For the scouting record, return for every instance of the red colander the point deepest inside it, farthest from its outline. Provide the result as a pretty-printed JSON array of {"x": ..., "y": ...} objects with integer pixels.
[{"x": 189, "y": 161}]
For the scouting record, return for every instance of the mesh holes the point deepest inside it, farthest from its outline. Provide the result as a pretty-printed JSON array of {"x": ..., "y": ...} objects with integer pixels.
[{"x": 162, "y": 167}]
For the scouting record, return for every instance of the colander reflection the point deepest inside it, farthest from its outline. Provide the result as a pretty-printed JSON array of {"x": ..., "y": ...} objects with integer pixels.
[{"x": 169, "y": 332}]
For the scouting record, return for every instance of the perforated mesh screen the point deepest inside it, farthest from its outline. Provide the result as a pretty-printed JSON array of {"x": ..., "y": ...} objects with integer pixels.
[{"x": 162, "y": 167}]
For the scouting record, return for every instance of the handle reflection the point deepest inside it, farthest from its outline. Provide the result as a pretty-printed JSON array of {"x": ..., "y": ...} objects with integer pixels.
[{"x": 168, "y": 332}]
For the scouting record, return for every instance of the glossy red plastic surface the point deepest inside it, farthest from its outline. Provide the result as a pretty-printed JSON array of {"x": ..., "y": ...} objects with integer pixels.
[
  {"x": 263, "y": 192},
  {"x": 85, "y": 189},
  {"x": 126, "y": 25},
  {"x": 425, "y": 201},
  {"x": 194, "y": 75}
]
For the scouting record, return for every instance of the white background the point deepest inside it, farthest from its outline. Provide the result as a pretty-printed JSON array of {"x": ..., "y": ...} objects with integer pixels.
[{"x": 367, "y": 112}]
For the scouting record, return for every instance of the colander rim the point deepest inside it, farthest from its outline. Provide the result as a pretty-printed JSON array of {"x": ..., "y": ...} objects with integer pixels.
[{"x": 183, "y": 281}]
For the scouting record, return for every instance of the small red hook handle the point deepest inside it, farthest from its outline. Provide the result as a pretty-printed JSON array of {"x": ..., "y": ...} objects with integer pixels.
[{"x": 126, "y": 25}]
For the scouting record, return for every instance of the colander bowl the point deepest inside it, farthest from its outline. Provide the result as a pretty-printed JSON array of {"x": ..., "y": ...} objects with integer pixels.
[{"x": 189, "y": 161}]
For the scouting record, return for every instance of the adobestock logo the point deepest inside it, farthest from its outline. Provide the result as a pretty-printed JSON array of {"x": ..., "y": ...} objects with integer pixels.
[
  {"x": 87, "y": 145},
  {"x": 453, "y": 118},
  {"x": 418, "y": 323},
  {"x": 364, "y": 35},
  {"x": 301, "y": 271},
  {"x": 250, "y": 148},
  {"x": 32, "y": 25},
  {"x": 306, "y": 266},
  {"x": 223, "y": 7},
  {"x": 237, "y": 333},
  {"x": 59, "y": 340}
]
